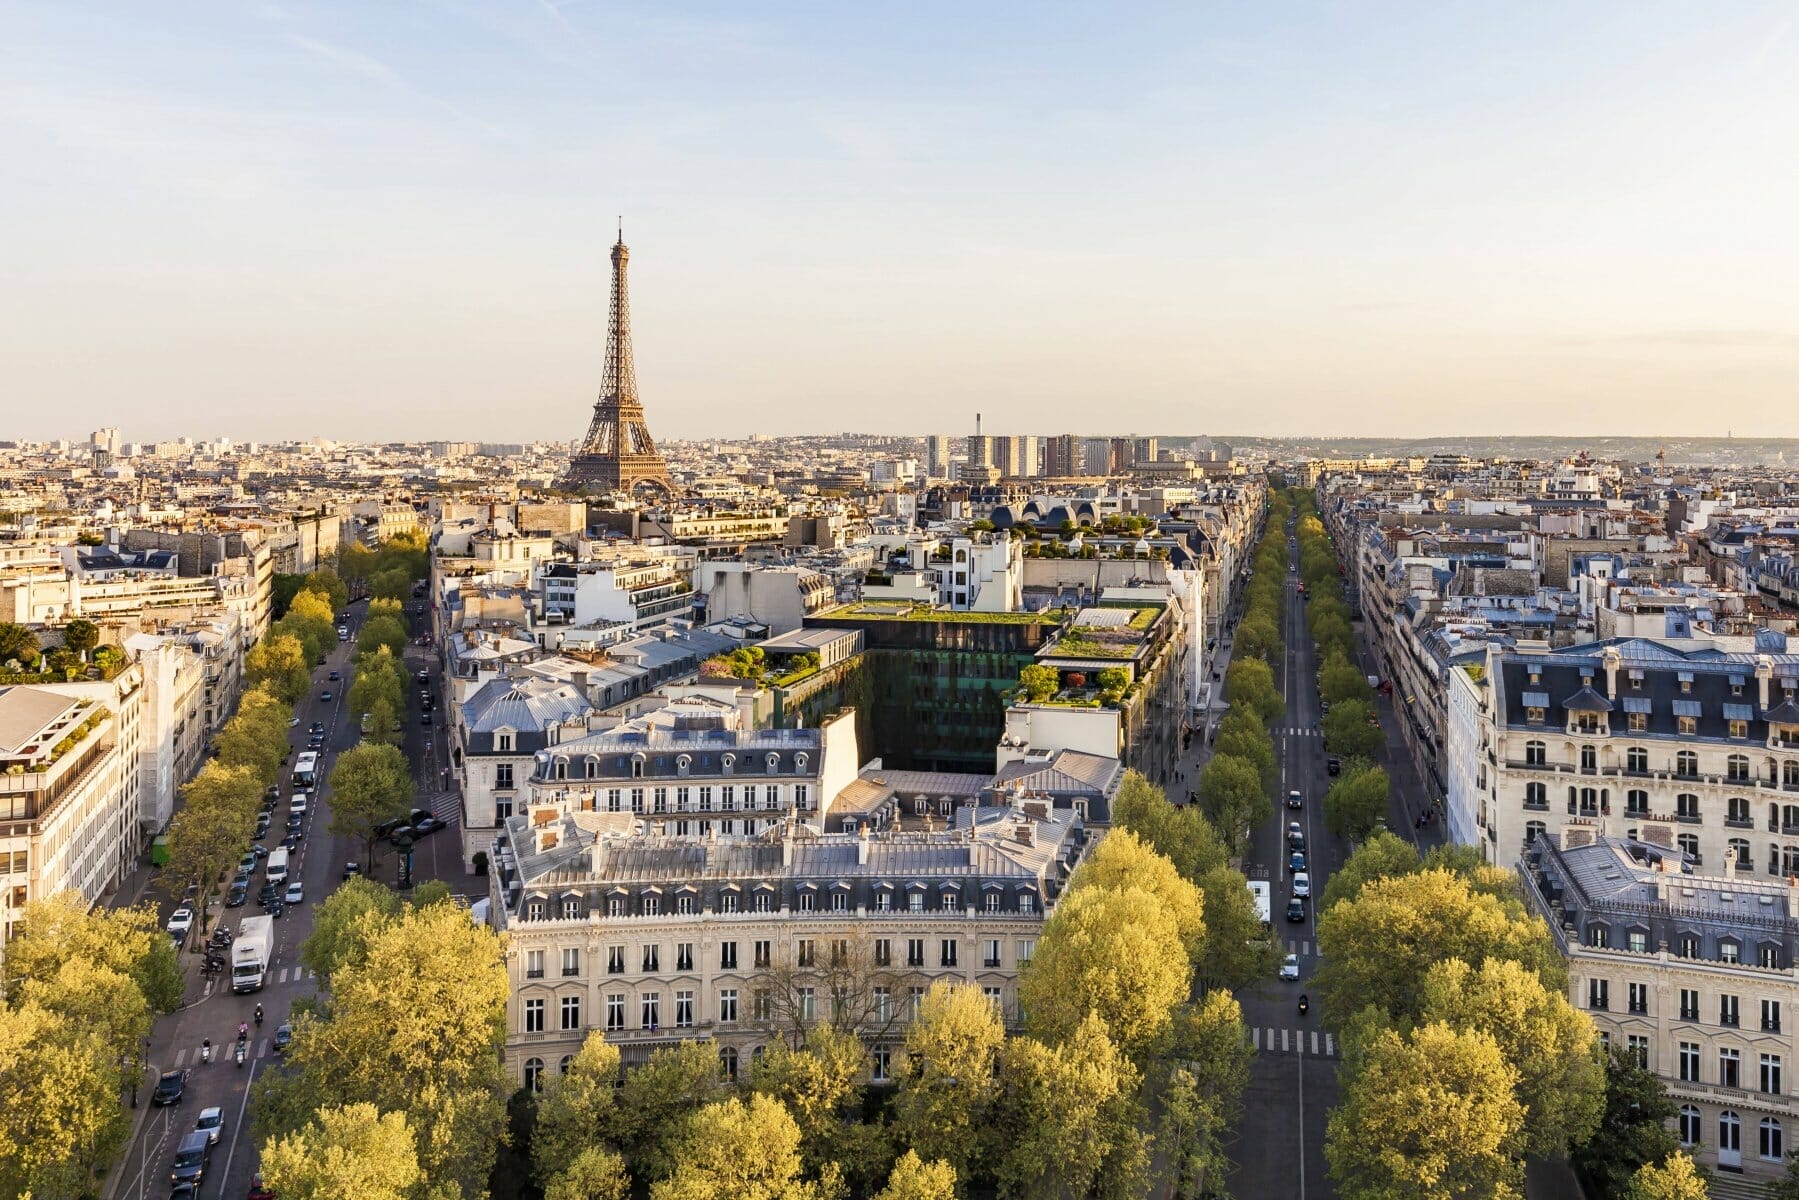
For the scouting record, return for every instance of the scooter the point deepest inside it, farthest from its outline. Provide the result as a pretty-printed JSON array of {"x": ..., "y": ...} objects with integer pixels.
[
  {"x": 206, "y": 1050},
  {"x": 259, "y": 1016},
  {"x": 242, "y": 1050}
]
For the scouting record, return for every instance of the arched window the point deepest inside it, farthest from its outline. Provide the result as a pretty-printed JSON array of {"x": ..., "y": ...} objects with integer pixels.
[
  {"x": 561, "y": 767},
  {"x": 637, "y": 766},
  {"x": 1686, "y": 806},
  {"x": 727, "y": 1063},
  {"x": 1789, "y": 773},
  {"x": 1739, "y": 847},
  {"x": 1536, "y": 794},
  {"x": 1730, "y": 1133},
  {"x": 1789, "y": 816},
  {"x": 568, "y": 1060},
  {"x": 1686, "y": 763},
  {"x": 1691, "y": 1125},
  {"x": 1773, "y": 1140},
  {"x": 1589, "y": 758},
  {"x": 534, "y": 1074},
  {"x": 593, "y": 767},
  {"x": 1536, "y": 753},
  {"x": 1737, "y": 767},
  {"x": 1637, "y": 759},
  {"x": 1636, "y": 802},
  {"x": 1737, "y": 809}
]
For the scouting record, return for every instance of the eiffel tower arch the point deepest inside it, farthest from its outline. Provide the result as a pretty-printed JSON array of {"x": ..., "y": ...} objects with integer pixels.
[{"x": 618, "y": 454}]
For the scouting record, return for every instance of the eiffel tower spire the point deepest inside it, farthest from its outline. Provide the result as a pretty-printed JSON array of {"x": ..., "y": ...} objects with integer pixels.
[{"x": 618, "y": 453}]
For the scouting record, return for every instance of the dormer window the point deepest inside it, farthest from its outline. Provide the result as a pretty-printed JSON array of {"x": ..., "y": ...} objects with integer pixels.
[
  {"x": 774, "y": 763},
  {"x": 503, "y": 742},
  {"x": 682, "y": 762},
  {"x": 799, "y": 764},
  {"x": 728, "y": 763},
  {"x": 1686, "y": 681},
  {"x": 637, "y": 766},
  {"x": 1534, "y": 715},
  {"x": 1687, "y": 726}
]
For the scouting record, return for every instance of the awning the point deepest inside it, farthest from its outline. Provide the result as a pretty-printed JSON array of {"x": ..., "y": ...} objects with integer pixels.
[
  {"x": 1637, "y": 704},
  {"x": 1536, "y": 699},
  {"x": 1739, "y": 712},
  {"x": 1686, "y": 708}
]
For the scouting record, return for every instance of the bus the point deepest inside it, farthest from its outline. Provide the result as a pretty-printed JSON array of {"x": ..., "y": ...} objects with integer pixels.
[{"x": 306, "y": 770}]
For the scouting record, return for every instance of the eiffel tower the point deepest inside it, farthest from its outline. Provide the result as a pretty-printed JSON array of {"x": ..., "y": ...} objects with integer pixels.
[{"x": 618, "y": 454}]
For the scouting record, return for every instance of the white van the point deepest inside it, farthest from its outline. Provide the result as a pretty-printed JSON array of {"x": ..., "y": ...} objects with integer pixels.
[{"x": 277, "y": 866}]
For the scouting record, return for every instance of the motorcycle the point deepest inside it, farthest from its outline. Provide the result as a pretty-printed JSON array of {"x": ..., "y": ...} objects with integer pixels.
[
  {"x": 259, "y": 1016},
  {"x": 242, "y": 1050},
  {"x": 1303, "y": 1005},
  {"x": 206, "y": 1050}
]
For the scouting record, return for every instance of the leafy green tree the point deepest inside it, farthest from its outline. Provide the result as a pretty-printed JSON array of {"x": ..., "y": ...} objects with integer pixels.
[
  {"x": 1180, "y": 834},
  {"x": 279, "y": 662},
  {"x": 821, "y": 1087},
  {"x": 1348, "y": 733},
  {"x": 60, "y": 1116},
  {"x": 1206, "y": 1070},
  {"x": 594, "y": 1174},
  {"x": 283, "y": 591},
  {"x": 915, "y": 1179},
  {"x": 62, "y": 928},
  {"x": 379, "y": 676},
  {"x": 1378, "y": 947},
  {"x": 1432, "y": 1114},
  {"x": 212, "y": 828},
  {"x": 382, "y": 631},
  {"x": 1633, "y": 1129},
  {"x": 309, "y": 617},
  {"x": 1356, "y": 802},
  {"x": 1251, "y": 681},
  {"x": 370, "y": 784},
  {"x": 325, "y": 582},
  {"x": 1117, "y": 953},
  {"x": 1071, "y": 1118},
  {"x": 656, "y": 1100},
  {"x": 345, "y": 924},
  {"x": 1252, "y": 746},
  {"x": 1548, "y": 1042},
  {"x": 18, "y": 644},
  {"x": 1380, "y": 857},
  {"x": 1232, "y": 798},
  {"x": 1122, "y": 861},
  {"x": 1258, "y": 636},
  {"x": 577, "y": 1109},
  {"x": 354, "y": 1150},
  {"x": 947, "y": 1082},
  {"x": 736, "y": 1148},
  {"x": 1679, "y": 1178},
  {"x": 1237, "y": 952},
  {"x": 1039, "y": 682},
  {"x": 414, "y": 1025},
  {"x": 256, "y": 736},
  {"x": 1342, "y": 680},
  {"x": 390, "y": 585},
  {"x": 80, "y": 635}
]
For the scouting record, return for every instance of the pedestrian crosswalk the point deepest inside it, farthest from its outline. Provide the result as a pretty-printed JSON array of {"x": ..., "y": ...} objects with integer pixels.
[
  {"x": 445, "y": 806},
  {"x": 1301, "y": 731},
  {"x": 1315, "y": 1042},
  {"x": 296, "y": 973},
  {"x": 1303, "y": 947},
  {"x": 222, "y": 1052}
]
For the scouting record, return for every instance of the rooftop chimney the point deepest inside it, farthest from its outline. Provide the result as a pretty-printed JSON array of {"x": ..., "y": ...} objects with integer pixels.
[{"x": 862, "y": 847}]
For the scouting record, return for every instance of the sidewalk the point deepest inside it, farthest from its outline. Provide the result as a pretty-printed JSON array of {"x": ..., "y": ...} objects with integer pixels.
[{"x": 1410, "y": 797}]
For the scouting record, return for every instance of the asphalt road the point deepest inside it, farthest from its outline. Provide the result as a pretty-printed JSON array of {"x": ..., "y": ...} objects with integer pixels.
[{"x": 212, "y": 1010}]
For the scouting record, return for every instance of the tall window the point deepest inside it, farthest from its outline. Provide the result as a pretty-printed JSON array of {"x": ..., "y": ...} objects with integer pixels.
[
  {"x": 1727, "y": 1011},
  {"x": 683, "y": 956},
  {"x": 1536, "y": 754},
  {"x": 727, "y": 1006},
  {"x": 502, "y": 776},
  {"x": 1690, "y": 1125},
  {"x": 1686, "y": 763},
  {"x": 615, "y": 1010},
  {"x": 1736, "y": 767},
  {"x": 1689, "y": 1004},
  {"x": 683, "y": 1010},
  {"x": 652, "y": 959},
  {"x": 1730, "y": 1068},
  {"x": 727, "y": 956},
  {"x": 1737, "y": 809},
  {"x": 571, "y": 1012},
  {"x": 1536, "y": 794},
  {"x": 1689, "y": 1062},
  {"x": 1637, "y": 759},
  {"x": 534, "y": 1074},
  {"x": 1686, "y": 806},
  {"x": 1773, "y": 1140},
  {"x": 534, "y": 1016},
  {"x": 650, "y": 1009},
  {"x": 1770, "y": 1074},
  {"x": 1771, "y": 1016},
  {"x": 1599, "y": 994},
  {"x": 571, "y": 961}
]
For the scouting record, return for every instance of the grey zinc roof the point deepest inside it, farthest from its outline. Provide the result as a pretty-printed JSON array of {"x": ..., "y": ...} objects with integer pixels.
[
  {"x": 25, "y": 712},
  {"x": 522, "y": 704}
]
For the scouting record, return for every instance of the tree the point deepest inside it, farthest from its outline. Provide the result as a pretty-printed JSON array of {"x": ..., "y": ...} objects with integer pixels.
[
  {"x": 1679, "y": 1178},
  {"x": 390, "y": 585},
  {"x": 1258, "y": 636},
  {"x": 309, "y": 617},
  {"x": 915, "y": 1179},
  {"x": 947, "y": 1086},
  {"x": 1253, "y": 746},
  {"x": 370, "y": 784},
  {"x": 656, "y": 1100},
  {"x": 1378, "y": 947},
  {"x": 279, "y": 662},
  {"x": 1202, "y": 1096},
  {"x": 1122, "y": 861},
  {"x": 1113, "y": 681},
  {"x": 1348, "y": 733},
  {"x": 1231, "y": 796},
  {"x": 577, "y": 1109},
  {"x": 325, "y": 582},
  {"x": 1431, "y": 1115},
  {"x": 60, "y": 1115},
  {"x": 1181, "y": 834},
  {"x": 61, "y": 928},
  {"x": 1117, "y": 953},
  {"x": 1039, "y": 682},
  {"x": 1546, "y": 1040},
  {"x": 1237, "y": 952},
  {"x": 215, "y": 823},
  {"x": 1342, "y": 680},
  {"x": 1633, "y": 1129},
  {"x": 1356, "y": 802},
  {"x": 735, "y": 1148},
  {"x": 355, "y": 1150},
  {"x": 79, "y": 636},
  {"x": 256, "y": 737},
  {"x": 1380, "y": 857},
  {"x": 1251, "y": 681},
  {"x": 844, "y": 969},
  {"x": 593, "y": 1174},
  {"x": 18, "y": 644},
  {"x": 821, "y": 1087},
  {"x": 1070, "y": 1116},
  {"x": 345, "y": 924},
  {"x": 415, "y": 1025},
  {"x": 382, "y": 631}
]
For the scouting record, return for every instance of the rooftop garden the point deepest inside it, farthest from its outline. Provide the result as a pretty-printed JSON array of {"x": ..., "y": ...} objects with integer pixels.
[
  {"x": 97, "y": 716},
  {"x": 1040, "y": 683},
  {"x": 893, "y": 611}
]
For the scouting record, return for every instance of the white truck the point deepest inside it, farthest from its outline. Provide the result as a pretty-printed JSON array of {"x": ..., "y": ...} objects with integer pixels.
[
  {"x": 1264, "y": 901},
  {"x": 250, "y": 953}
]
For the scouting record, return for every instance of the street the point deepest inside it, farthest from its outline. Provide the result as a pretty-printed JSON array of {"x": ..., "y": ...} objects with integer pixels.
[{"x": 211, "y": 1010}]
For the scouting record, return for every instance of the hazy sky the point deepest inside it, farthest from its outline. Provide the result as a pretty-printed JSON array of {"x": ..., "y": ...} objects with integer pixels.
[{"x": 390, "y": 218}]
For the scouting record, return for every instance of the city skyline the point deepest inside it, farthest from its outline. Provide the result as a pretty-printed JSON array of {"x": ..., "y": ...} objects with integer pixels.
[{"x": 291, "y": 220}]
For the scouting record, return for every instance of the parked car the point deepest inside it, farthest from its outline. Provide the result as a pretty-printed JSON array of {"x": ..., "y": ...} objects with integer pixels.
[
  {"x": 1296, "y": 909},
  {"x": 1290, "y": 967},
  {"x": 1302, "y": 884},
  {"x": 284, "y": 1033},
  {"x": 211, "y": 1123},
  {"x": 426, "y": 825},
  {"x": 181, "y": 923},
  {"x": 170, "y": 1087},
  {"x": 352, "y": 868},
  {"x": 236, "y": 897},
  {"x": 1333, "y": 764}
]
